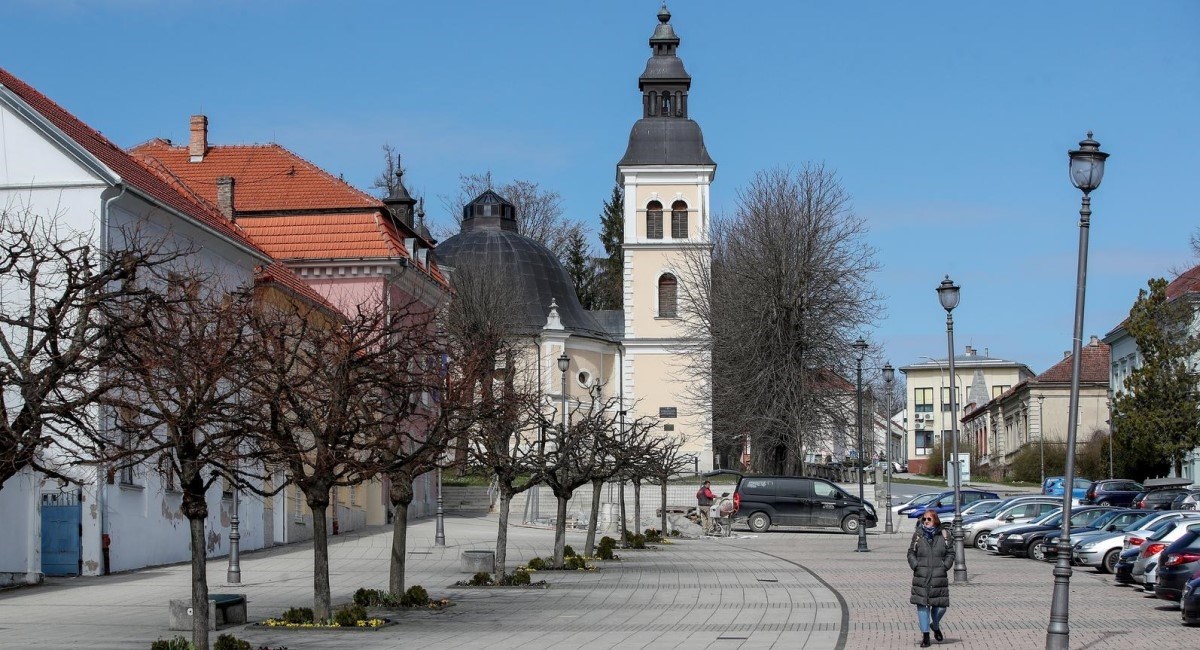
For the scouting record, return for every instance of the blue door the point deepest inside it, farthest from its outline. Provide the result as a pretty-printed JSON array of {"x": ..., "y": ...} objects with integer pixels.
[{"x": 60, "y": 533}]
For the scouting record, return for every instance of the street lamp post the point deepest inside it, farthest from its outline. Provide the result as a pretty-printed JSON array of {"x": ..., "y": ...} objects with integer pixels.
[
  {"x": 1112, "y": 429},
  {"x": 889, "y": 375},
  {"x": 234, "y": 575},
  {"x": 948, "y": 295},
  {"x": 1042, "y": 436},
  {"x": 1087, "y": 170},
  {"x": 860, "y": 350},
  {"x": 439, "y": 535}
]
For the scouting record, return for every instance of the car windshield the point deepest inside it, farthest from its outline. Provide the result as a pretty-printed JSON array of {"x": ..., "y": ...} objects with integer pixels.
[
  {"x": 1046, "y": 519},
  {"x": 1141, "y": 522},
  {"x": 1126, "y": 520},
  {"x": 982, "y": 507},
  {"x": 922, "y": 499},
  {"x": 1164, "y": 530},
  {"x": 1103, "y": 519}
]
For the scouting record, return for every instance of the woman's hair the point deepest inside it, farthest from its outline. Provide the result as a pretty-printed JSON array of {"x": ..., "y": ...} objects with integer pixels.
[{"x": 937, "y": 521}]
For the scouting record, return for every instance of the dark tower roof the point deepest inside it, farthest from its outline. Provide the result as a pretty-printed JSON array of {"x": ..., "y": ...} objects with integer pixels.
[
  {"x": 489, "y": 239},
  {"x": 665, "y": 135},
  {"x": 399, "y": 202}
]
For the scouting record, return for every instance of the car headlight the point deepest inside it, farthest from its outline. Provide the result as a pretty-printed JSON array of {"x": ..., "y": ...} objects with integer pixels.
[
  {"x": 968, "y": 526},
  {"x": 1015, "y": 537},
  {"x": 1086, "y": 546}
]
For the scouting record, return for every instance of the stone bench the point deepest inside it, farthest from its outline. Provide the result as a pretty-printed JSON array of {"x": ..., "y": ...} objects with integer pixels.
[
  {"x": 223, "y": 609},
  {"x": 479, "y": 561}
]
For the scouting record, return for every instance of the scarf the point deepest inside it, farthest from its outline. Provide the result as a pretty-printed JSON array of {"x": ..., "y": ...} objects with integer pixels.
[{"x": 929, "y": 531}]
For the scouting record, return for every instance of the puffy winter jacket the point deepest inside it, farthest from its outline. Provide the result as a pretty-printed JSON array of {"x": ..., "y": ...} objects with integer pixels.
[{"x": 930, "y": 560}]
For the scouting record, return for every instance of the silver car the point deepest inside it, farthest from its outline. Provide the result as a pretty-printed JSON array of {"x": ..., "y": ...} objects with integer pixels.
[
  {"x": 992, "y": 541},
  {"x": 1103, "y": 551},
  {"x": 1019, "y": 510},
  {"x": 1147, "y": 560}
]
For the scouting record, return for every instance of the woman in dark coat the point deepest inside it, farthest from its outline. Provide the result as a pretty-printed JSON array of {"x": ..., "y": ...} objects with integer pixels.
[{"x": 930, "y": 556}]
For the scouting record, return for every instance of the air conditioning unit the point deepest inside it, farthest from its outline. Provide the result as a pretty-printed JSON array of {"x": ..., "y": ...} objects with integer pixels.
[
  {"x": 920, "y": 425},
  {"x": 926, "y": 417}
]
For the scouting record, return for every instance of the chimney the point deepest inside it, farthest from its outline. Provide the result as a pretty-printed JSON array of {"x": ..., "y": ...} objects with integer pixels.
[
  {"x": 1095, "y": 340},
  {"x": 970, "y": 351},
  {"x": 225, "y": 197},
  {"x": 198, "y": 145}
]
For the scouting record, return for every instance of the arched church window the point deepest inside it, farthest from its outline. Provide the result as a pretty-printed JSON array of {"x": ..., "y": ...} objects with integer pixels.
[
  {"x": 679, "y": 220},
  {"x": 654, "y": 220},
  {"x": 668, "y": 296}
]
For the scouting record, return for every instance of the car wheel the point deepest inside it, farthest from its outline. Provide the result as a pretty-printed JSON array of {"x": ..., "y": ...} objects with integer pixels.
[
  {"x": 850, "y": 525},
  {"x": 981, "y": 539},
  {"x": 759, "y": 522},
  {"x": 1035, "y": 551},
  {"x": 1106, "y": 502},
  {"x": 1109, "y": 563}
]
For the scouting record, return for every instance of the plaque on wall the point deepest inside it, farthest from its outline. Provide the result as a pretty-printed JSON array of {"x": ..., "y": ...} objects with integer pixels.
[
  {"x": 668, "y": 412},
  {"x": 668, "y": 427}
]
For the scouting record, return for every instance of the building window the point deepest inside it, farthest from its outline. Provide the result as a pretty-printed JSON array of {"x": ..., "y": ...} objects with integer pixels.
[
  {"x": 923, "y": 400},
  {"x": 654, "y": 220},
  {"x": 997, "y": 391},
  {"x": 946, "y": 403},
  {"x": 668, "y": 296},
  {"x": 679, "y": 220},
  {"x": 924, "y": 442}
]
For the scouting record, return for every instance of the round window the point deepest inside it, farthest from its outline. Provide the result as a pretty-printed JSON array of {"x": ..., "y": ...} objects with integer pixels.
[{"x": 584, "y": 378}]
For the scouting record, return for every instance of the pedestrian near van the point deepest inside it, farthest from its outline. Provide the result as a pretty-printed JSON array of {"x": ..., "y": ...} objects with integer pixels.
[
  {"x": 704, "y": 499},
  {"x": 930, "y": 556}
]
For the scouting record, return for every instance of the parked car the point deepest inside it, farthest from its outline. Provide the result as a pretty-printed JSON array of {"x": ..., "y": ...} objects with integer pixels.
[
  {"x": 1146, "y": 565},
  {"x": 1189, "y": 603},
  {"x": 763, "y": 501},
  {"x": 1186, "y": 501},
  {"x": 1178, "y": 563},
  {"x": 1160, "y": 499},
  {"x": 1052, "y": 480},
  {"x": 1017, "y": 510},
  {"x": 992, "y": 542},
  {"x": 1055, "y": 489},
  {"x": 1114, "y": 520},
  {"x": 918, "y": 500},
  {"x": 1101, "y": 551},
  {"x": 1112, "y": 492},
  {"x": 1123, "y": 571},
  {"x": 981, "y": 507},
  {"x": 1027, "y": 540},
  {"x": 945, "y": 501}
]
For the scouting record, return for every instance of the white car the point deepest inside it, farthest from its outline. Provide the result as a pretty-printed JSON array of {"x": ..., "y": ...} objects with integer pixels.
[{"x": 1147, "y": 560}]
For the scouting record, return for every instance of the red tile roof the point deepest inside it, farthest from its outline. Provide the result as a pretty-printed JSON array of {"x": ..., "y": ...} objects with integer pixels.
[
  {"x": 1187, "y": 282},
  {"x": 354, "y": 235},
  {"x": 155, "y": 183},
  {"x": 1095, "y": 362},
  {"x": 269, "y": 177},
  {"x": 135, "y": 174}
]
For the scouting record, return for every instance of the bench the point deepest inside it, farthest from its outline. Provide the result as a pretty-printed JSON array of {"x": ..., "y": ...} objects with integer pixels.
[{"x": 223, "y": 609}]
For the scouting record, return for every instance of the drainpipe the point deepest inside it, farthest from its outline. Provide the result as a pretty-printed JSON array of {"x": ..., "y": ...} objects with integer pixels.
[{"x": 102, "y": 471}]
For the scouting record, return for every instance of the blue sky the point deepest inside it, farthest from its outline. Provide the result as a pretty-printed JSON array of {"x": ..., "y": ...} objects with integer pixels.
[{"x": 947, "y": 122}]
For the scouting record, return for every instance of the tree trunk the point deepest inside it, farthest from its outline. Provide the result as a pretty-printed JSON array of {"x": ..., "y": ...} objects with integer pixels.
[
  {"x": 199, "y": 581},
  {"x": 560, "y": 532},
  {"x": 590, "y": 544},
  {"x": 663, "y": 530},
  {"x": 624, "y": 537},
  {"x": 321, "y": 596},
  {"x": 502, "y": 533},
  {"x": 637, "y": 507},
  {"x": 401, "y": 495}
]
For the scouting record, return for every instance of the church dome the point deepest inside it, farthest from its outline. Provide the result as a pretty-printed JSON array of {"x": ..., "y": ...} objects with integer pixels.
[
  {"x": 537, "y": 275},
  {"x": 666, "y": 141}
]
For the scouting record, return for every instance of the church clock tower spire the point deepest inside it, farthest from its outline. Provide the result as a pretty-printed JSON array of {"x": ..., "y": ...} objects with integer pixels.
[{"x": 666, "y": 172}]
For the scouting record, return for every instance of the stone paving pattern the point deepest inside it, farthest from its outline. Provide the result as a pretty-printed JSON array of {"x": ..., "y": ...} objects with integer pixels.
[{"x": 785, "y": 589}]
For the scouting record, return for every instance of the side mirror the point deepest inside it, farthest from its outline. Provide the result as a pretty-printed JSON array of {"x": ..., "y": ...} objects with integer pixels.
[{"x": 1009, "y": 518}]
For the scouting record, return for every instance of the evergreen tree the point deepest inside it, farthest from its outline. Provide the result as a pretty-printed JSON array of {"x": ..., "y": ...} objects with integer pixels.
[
  {"x": 1157, "y": 411},
  {"x": 612, "y": 233},
  {"x": 581, "y": 266}
]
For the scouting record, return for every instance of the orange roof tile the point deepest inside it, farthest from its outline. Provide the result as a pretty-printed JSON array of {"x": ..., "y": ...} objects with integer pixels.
[
  {"x": 280, "y": 275},
  {"x": 354, "y": 235},
  {"x": 1094, "y": 366},
  {"x": 269, "y": 177}
]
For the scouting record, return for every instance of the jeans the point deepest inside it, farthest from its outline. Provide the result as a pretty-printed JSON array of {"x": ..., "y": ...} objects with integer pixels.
[{"x": 923, "y": 617}]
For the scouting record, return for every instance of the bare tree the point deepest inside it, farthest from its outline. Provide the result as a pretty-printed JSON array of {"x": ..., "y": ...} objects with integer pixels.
[
  {"x": 57, "y": 294},
  {"x": 631, "y": 442},
  {"x": 178, "y": 400},
  {"x": 539, "y": 212},
  {"x": 484, "y": 341},
  {"x": 783, "y": 293},
  {"x": 666, "y": 461},
  {"x": 389, "y": 179},
  {"x": 326, "y": 396}
]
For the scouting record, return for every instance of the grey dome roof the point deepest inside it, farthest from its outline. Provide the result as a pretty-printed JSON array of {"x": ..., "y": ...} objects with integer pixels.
[
  {"x": 666, "y": 141},
  {"x": 530, "y": 267},
  {"x": 664, "y": 68}
]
